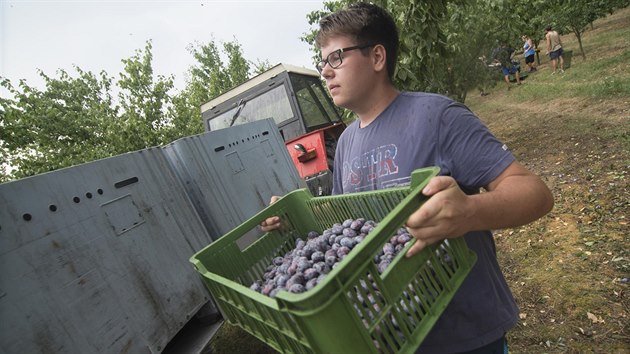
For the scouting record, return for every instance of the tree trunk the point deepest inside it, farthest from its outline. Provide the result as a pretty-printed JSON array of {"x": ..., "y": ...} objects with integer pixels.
[
  {"x": 536, "y": 42},
  {"x": 578, "y": 34}
]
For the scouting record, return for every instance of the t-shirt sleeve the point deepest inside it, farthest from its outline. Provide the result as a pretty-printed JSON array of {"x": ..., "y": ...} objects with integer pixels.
[
  {"x": 338, "y": 169},
  {"x": 337, "y": 187},
  {"x": 468, "y": 151}
]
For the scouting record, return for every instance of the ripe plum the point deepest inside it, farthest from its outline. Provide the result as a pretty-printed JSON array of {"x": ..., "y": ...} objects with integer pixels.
[{"x": 316, "y": 255}]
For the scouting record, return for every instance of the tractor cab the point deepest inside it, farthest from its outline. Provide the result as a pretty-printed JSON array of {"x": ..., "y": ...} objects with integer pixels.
[{"x": 306, "y": 117}]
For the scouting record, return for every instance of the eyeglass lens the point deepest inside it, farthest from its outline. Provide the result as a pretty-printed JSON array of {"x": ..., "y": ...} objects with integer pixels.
[{"x": 334, "y": 59}]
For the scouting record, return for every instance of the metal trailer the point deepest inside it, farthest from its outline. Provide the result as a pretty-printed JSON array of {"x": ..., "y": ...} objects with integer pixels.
[{"x": 94, "y": 257}]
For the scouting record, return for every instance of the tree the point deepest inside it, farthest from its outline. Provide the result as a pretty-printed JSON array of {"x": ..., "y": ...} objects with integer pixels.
[
  {"x": 238, "y": 69},
  {"x": 576, "y": 15},
  {"x": 260, "y": 66},
  {"x": 67, "y": 122},
  {"x": 76, "y": 119},
  {"x": 531, "y": 19},
  {"x": 470, "y": 36},
  {"x": 421, "y": 32},
  {"x": 422, "y": 38},
  {"x": 209, "y": 78},
  {"x": 144, "y": 100}
]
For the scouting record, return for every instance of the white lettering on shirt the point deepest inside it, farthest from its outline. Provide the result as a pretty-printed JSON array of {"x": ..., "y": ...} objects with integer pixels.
[{"x": 371, "y": 165}]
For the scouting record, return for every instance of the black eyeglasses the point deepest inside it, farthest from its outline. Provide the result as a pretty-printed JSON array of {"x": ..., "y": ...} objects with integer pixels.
[{"x": 334, "y": 59}]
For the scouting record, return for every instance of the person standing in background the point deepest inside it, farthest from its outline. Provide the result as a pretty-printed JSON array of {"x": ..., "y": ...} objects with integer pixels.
[
  {"x": 528, "y": 53},
  {"x": 554, "y": 49}
]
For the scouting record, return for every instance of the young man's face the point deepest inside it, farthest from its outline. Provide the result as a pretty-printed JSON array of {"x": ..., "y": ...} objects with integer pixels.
[{"x": 348, "y": 84}]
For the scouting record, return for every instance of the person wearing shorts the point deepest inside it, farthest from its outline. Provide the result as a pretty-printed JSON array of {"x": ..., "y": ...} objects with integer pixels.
[
  {"x": 556, "y": 54},
  {"x": 554, "y": 49},
  {"x": 503, "y": 55},
  {"x": 528, "y": 53}
]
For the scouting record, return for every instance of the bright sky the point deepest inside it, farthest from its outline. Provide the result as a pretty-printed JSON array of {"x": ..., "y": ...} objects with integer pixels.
[{"x": 96, "y": 35}]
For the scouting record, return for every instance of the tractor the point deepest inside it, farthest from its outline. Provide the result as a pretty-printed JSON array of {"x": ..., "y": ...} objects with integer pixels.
[{"x": 297, "y": 101}]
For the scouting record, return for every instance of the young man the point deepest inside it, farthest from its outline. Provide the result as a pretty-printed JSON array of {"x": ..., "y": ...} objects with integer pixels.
[
  {"x": 397, "y": 132},
  {"x": 554, "y": 49}
]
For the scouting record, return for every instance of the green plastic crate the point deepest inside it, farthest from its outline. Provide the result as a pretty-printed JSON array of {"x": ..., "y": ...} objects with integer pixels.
[{"x": 330, "y": 318}]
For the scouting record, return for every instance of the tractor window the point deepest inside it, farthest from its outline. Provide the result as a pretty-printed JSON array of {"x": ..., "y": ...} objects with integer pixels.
[
  {"x": 316, "y": 107},
  {"x": 271, "y": 104}
]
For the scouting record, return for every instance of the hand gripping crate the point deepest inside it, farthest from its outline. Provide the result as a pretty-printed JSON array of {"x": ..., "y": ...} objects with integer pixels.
[{"x": 333, "y": 317}]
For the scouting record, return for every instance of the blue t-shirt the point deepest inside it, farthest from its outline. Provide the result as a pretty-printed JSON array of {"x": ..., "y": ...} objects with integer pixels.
[
  {"x": 420, "y": 130},
  {"x": 529, "y": 51}
]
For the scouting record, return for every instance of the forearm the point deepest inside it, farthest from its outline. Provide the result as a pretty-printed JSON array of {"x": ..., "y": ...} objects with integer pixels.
[{"x": 517, "y": 200}]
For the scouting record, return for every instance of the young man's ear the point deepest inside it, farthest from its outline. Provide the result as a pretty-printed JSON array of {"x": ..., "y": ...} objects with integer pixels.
[{"x": 379, "y": 57}]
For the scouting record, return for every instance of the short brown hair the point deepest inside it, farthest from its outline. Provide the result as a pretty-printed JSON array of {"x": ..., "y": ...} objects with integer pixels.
[{"x": 367, "y": 24}]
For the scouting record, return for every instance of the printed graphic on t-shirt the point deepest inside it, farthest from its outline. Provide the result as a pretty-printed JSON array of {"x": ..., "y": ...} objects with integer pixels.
[{"x": 365, "y": 171}]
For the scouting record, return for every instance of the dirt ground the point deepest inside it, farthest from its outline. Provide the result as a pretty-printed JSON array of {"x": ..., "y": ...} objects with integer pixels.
[{"x": 569, "y": 271}]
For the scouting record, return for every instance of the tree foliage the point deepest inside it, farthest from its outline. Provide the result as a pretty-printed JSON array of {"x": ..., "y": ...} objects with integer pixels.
[
  {"x": 574, "y": 16},
  {"x": 144, "y": 101},
  {"x": 441, "y": 41},
  {"x": 421, "y": 37},
  {"x": 84, "y": 117},
  {"x": 68, "y": 121}
]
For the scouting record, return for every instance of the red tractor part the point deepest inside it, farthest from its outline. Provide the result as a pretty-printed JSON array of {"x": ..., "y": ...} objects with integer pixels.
[{"x": 308, "y": 153}]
